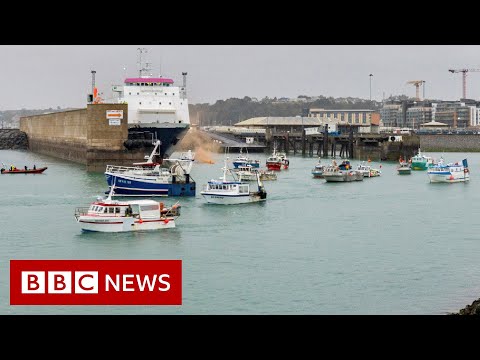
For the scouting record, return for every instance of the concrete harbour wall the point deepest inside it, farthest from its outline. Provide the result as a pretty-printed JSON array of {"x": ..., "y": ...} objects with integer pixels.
[
  {"x": 450, "y": 143},
  {"x": 84, "y": 136}
]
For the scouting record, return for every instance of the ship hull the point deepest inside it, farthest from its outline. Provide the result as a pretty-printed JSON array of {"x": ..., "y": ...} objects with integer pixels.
[
  {"x": 131, "y": 186},
  {"x": 169, "y": 135}
]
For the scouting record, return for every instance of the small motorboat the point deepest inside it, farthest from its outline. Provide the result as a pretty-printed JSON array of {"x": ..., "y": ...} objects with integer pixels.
[{"x": 24, "y": 171}]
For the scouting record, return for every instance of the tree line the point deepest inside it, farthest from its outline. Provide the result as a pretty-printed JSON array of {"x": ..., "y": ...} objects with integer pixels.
[{"x": 234, "y": 110}]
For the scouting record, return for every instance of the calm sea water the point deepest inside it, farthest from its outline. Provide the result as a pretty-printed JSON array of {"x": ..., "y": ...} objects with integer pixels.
[{"x": 387, "y": 245}]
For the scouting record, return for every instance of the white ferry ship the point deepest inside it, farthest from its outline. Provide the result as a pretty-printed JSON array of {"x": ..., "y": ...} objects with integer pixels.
[{"x": 156, "y": 107}]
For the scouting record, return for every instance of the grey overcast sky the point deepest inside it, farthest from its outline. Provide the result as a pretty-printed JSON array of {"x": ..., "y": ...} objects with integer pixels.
[{"x": 44, "y": 76}]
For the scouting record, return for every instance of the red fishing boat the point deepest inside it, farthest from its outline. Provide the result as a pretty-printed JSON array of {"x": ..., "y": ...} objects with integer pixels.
[
  {"x": 24, "y": 171},
  {"x": 277, "y": 161}
]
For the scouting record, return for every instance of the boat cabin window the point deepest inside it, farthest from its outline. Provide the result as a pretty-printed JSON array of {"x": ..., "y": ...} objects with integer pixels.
[
  {"x": 149, "y": 211},
  {"x": 111, "y": 210},
  {"x": 243, "y": 189},
  {"x": 149, "y": 207},
  {"x": 117, "y": 210}
]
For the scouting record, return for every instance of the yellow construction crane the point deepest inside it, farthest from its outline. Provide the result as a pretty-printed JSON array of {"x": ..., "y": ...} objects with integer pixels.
[
  {"x": 464, "y": 71},
  {"x": 417, "y": 84}
]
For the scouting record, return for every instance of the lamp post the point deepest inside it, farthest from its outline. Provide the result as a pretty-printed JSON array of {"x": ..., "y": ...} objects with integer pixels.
[{"x": 370, "y": 76}]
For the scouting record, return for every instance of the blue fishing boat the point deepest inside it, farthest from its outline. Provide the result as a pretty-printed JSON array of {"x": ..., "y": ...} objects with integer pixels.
[
  {"x": 243, "y": 160},
  {"x": 171, "y": 177}
]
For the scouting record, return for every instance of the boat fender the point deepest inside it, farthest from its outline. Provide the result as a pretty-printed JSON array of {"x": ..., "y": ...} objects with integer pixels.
[
  {"x": 465, "y": 171},
  {"x": 140, "y": 221},
  {"x": 166, "y": 221}
]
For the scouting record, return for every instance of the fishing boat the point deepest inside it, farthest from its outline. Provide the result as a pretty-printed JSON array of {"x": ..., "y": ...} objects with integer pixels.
[
  {"x": 229, "y": 192},
  {"x": 15, "y": 170},
  {"x": 449, "y": 173},
  {"x": 108, "y": 215},
  {"x": 277, "y": 161},
  {"x": 404, "y": 168},
  {"x": 249, "y": 173},
  {"x": 284, "y": 159},
  {"x": 368, "y": 171},
  {"x": 341, "y": 173},
  {"x": 421, "y": 161},
  {"x": 167, "y": 177},
  {"x": 318, "y": 170},
  {"x": 243, "y": 160}
]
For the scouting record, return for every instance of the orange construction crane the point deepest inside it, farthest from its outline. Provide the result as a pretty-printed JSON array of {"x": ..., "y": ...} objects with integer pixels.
[
  {"x": 417, "y": 84},
  {"x": 464, "y": 71}
]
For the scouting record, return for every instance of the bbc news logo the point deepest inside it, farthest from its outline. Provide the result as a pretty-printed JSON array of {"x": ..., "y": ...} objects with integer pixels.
[{"x": 95, "y": 282}]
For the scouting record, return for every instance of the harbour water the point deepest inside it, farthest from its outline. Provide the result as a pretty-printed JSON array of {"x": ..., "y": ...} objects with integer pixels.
[{"x": 386, "y": 245}]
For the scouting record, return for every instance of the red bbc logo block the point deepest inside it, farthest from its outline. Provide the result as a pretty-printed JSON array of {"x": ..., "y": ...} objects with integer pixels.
[{"x": 95, "y": 282}]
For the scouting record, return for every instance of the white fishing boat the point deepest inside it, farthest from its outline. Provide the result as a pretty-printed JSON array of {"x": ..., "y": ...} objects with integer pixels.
[
  {"x": 249, "y": 173},
  {"x": 228, "y": 192},
  {"x": 449, "y": 173},
  {"x": 318, "y": 170},
  {"x": 108, "y": 215},
  {"x": 341, "y": 173},
  {"x": 368, "y": 171}
]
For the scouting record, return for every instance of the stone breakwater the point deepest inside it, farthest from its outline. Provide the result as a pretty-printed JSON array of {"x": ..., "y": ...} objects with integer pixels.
[{"x": 13, "y": 139}]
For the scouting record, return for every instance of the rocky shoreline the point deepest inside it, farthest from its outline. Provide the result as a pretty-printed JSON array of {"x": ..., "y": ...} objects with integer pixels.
[
  {"x": 473, "y": 309},
  {"x": 13, "y": 139}
]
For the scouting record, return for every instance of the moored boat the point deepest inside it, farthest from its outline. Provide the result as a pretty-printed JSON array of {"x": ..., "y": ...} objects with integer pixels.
[
  {"x": 318, "y": 170},
  {"x": 421, "y": 161},
  {"x": 249, "y": 173},
  {"x": 404, "y": 168},
  {"x": 341, "y": 173},
  {"x": 277, "y": 161},
  {"x": 368, "y": 171},
  {"x": 243, "y": 160},
  {"x": 449, "y": 173}
]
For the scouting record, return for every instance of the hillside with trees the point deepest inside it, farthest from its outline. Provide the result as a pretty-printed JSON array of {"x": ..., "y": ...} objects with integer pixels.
[{"x": 233, "y": 110}]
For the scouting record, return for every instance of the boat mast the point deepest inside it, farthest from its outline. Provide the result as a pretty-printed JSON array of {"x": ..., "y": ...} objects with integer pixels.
[
  {"x": 112, "y": 191},
  {"x": 150, "y": 158},
  {"x": 143, "y": 68},
  {"x": 225, "y": 169}
]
